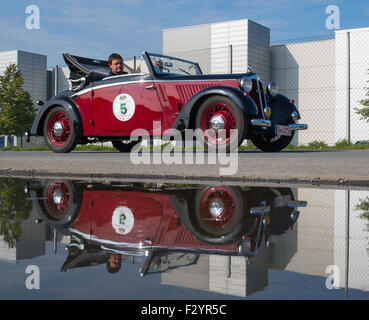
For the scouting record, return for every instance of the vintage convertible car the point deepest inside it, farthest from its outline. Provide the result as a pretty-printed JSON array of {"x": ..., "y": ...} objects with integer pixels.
[{"x": 176, "y": 95}]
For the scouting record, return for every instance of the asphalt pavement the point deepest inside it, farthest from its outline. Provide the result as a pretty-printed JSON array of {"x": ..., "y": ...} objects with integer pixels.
[{"x": 338, "y": 167}]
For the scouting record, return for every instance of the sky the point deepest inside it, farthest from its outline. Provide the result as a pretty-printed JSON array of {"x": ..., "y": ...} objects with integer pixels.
[{"x": 97, "y": 28}]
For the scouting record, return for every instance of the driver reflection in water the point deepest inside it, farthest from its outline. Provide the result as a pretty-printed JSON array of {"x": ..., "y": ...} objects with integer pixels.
[{"x": 114, "y": 262}]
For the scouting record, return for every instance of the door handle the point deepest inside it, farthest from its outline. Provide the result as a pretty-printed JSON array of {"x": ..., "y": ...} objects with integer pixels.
[{"x": 151, "y": 87}]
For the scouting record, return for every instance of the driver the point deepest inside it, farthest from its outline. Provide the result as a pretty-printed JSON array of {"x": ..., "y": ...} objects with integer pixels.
[{"x": 116, "y": 65}]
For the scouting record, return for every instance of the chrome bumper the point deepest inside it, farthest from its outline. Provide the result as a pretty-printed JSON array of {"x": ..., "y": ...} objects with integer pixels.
[
  {"x": 261, "y": 123},
  {"x": 268, "y": 123},
  {"x": 298, "y": 126}
]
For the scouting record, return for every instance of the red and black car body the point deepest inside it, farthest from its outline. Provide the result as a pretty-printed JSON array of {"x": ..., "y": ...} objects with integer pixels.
[
  {"x": 149, "y": 221},
  {"x": 99, "y": 107}
]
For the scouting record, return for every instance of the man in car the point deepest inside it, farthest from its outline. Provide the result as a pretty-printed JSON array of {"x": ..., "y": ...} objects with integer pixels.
[
  {"x": 116, "y": 65},
  {"x": 158, "y": 65}
]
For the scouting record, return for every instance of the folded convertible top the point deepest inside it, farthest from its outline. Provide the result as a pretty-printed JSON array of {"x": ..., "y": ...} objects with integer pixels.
[
  {"x": 89, "y": 68},
  {"x": 84, "y": 67}
]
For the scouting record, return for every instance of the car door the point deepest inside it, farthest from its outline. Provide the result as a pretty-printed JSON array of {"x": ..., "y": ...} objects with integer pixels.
[
  {"x": 125, "y": 216},
  {"x": 123, "y": 104}
]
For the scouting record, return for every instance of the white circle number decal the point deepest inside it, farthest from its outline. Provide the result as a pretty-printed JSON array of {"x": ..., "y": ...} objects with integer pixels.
[
  {"x": 124, "y": 107},
  {"x": 122, "y": 220}
]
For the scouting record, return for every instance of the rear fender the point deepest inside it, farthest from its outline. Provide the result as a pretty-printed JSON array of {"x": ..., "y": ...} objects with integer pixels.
[
  {"x": 187, "y": 115},
  {"x": 68, "y": 104}
]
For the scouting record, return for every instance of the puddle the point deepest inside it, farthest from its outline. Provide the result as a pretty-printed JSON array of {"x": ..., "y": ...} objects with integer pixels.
[{"x": 63, "y": 239}]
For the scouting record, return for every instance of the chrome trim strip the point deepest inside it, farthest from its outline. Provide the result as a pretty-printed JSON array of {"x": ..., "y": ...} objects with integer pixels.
[
  {"x": 140, "y": 81},
  {"x": 106, "y": 86},
  {"x": 258, "y": 81},
  {"x": 261, "y": 122},
  {"x": 124, "y": 75}
]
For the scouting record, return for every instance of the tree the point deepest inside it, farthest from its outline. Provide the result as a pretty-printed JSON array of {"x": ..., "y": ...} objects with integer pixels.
[
  {"x": 14, "y": 209},
  {"x": 16, "y": 107},
  {"x": 364, "y": 112}
]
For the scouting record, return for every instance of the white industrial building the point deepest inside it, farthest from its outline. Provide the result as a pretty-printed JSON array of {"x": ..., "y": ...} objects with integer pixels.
[{"x": 249, "y": 41}]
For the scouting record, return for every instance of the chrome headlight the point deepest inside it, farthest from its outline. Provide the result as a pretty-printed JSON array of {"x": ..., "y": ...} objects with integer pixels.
[
  {"x": 272, "y": 89},
  {"x": 246, "y": 84}
]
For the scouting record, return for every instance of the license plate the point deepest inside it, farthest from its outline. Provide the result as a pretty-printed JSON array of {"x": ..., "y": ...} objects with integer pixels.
[{"x": 282, "y": 130}]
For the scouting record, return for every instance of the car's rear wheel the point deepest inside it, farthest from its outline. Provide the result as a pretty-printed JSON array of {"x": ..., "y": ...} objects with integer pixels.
[
  {"x": 59, "y": 131},
  {"x": 60, "y": 203},
  {"x": 222, "y": 122},
  {"x": 124, "y": 146}
]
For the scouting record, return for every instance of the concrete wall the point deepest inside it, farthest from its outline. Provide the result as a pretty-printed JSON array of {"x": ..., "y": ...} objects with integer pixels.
[
  {"x": 330, "y": 225},
  {"x": 209, "y": 45},
  {"x": 177, "y": 41},
  {"x": 33, "y": 69},
  {"x": 315, "y": 233},
  {"x": 58, "y": 82},
  {"x": 327, "y": 84},
  {"x": 351, "y": 230},
  {"x": 181, "y": 39},
  {"x": 223, "y": 35},
  {"x": 356, "y": 65},
  {"x": 305, "y": 72},
  {"x": 7, "y": 58},
  {"x": 258, "y": 51}
]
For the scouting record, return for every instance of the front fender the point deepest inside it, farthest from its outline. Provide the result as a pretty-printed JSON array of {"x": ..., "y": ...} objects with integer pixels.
[
  {"x": 187, "y": 114},
  {"x": 282, "y": 107},
  {"x": 63, "y": 101}
]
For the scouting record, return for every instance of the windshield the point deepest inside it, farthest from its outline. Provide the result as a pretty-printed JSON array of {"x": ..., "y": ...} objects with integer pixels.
[{"x": 170, "y": 65}]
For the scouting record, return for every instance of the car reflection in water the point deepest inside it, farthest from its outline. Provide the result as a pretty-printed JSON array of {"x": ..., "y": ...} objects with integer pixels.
[{"x": 169, "y": 225}]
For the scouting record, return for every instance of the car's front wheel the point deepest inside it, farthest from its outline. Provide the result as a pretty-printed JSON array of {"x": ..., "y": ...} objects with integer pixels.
[
  {"x": 59, "y": 131},
  {"x": 222, "y": 122},
  {"x": 272, "y": 144},
  {"x": 219, "y": 215}
]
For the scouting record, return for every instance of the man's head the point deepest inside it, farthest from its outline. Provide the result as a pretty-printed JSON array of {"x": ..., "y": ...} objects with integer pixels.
[
  {"x": 116, "y": 63},
  {"x": 114, "y": 263},
  {"x": 159, "y": 64}
]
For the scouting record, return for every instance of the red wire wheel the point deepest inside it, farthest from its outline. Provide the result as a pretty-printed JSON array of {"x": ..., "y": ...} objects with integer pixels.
[
  {"x": 59, "y": 131},
  {"x": 219, "y": 213},
  {"x": 217, "y": 207},
  {"x": 58, "y": 198},
  {"x": 219, "y": 117}
]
